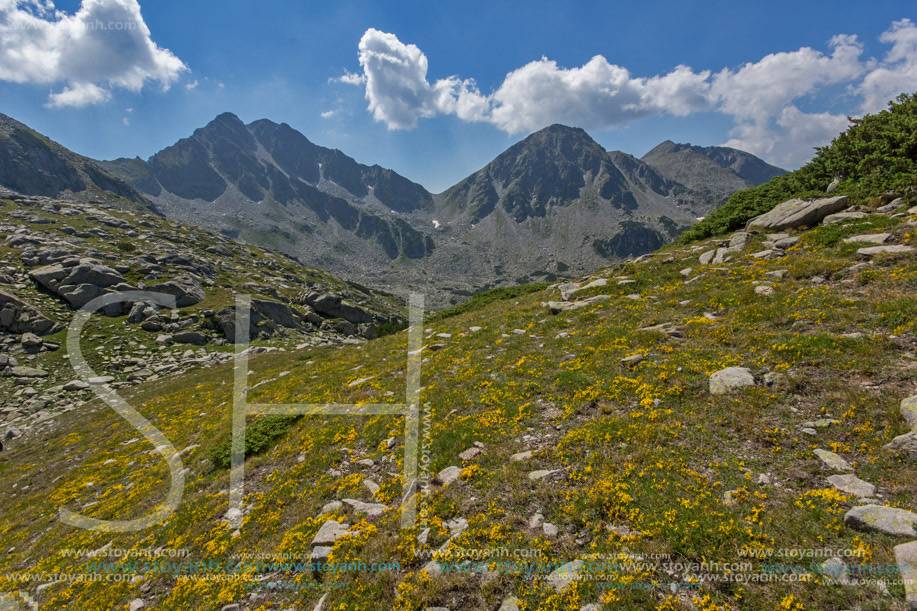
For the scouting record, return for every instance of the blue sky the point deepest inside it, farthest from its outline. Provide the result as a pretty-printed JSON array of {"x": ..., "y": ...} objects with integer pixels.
[{"x": 450, "y": 84}]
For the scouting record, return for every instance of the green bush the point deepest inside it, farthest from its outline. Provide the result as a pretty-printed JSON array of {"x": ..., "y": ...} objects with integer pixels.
[
  {"x": 260, "y": 435},
  {"x": 876, "y": 154},
  {"x": 485, "y": 297}
]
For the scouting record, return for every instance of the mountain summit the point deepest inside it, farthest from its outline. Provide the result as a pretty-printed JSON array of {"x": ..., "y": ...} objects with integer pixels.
[{"x": 553, "y": 205}]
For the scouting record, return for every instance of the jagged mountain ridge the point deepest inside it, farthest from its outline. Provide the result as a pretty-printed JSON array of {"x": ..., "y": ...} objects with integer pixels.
[
  {"x": 555, "y": 204},
  {"x": 710, "y": 173},
  {"x": 32, "y": 163}
]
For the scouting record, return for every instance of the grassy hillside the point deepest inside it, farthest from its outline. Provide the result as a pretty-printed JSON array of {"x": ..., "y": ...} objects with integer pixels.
[
  {"x": 876, "y": 154},
  {"x": 648, "y": 471}
]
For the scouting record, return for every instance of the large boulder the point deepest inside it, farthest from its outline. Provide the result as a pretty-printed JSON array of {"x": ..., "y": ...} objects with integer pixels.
[
  {"x": 280, "y": 313},
  {"x": 88, "y": 272},
  {"x": 731, "y": 378},
  {"x": 335, "y": 307},
  {"x": 18, "y": 316},
  {"x": 905, "y": 444},
  {"x": 186, "y": 290},
  {"x": 49, "y": 276},
  {"x": 885, "y": 520},
  {"x": 798, "y": 212},
  {"x": 80, "y": 295}
]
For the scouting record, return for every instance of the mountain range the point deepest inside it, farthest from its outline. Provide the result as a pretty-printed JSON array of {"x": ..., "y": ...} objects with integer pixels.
[{"x": 556, "y": 204}]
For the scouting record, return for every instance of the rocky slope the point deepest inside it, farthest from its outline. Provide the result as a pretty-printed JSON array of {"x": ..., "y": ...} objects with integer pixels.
[
  {"x": 723, "y": 425},
  {"x": 59, "y": 254},
  {"x": 710, "y": 174},
  {"x": 32, "y": 163},
  {"x": 553, "y": 205}
]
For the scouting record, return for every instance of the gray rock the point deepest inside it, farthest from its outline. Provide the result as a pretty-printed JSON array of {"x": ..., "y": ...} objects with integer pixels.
[
  {"x": 906, "y": 558},
  {"x": 542, "y": 473},
  {"x": 76, "y": 385},
  {"x": 729, "y": 379},
  {"x": 909, "y": 411},
  {"x": 885, "y": 520},
  {"x": 510, "y": 603},
  {"x": 81, "y": 294},
  {"x": 26, "y": 372},
  {"x": 894, "y": 249},
  {"x": 568, "y": 306},
  {"x": 796, "y": 213},
  {"x": 92, "y": 273},
  {"x": 49, "y": 276},
  {"x": 330, "y": 532},
  {"x": 707, "y": 257},
  {"x": 520, "y": 456},
  {"x": 470, "y": 453},
  {"x": 836, "y": 569},
  {"x": 320, "y": 553},
  {"x": 905, "y": 444},
  {"x": 868, "y": 238},
  {"x": 785, "y": 243},
  {"x": 561, "y": 578},
  {"x": 30, "y": 340},
  {"x": 843, "y": 217},
  {"x": 371, "y": 509},
  {"x": 136, "y": 605},
  {"x": 448, "y": 475},
  {"x": 634, "y": 359},
  {"x": 191, "y": 337},
  {"x": 851, "y": 484},
  {"x": 335, "y": 307},
  {"x": 185, "y": 289},
  {"x": 832, "y": 460}
]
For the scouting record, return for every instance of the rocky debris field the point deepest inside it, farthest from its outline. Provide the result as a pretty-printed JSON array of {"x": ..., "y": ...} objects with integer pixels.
[{"x": 57, "y": 255}]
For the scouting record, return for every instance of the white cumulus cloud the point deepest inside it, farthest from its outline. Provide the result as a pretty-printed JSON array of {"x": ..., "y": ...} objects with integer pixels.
[
  {"x": 761, "y": 97},
  {"x": 898, "y": 71},
  {"x": 104, "y": 45}
]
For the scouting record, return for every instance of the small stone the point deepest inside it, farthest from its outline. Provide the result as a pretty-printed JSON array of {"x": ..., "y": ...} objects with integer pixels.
[
  {"x": 885, "y": 520},
  {"x": 836, "y": 570},
  {"x": 725, "y": 380},
  {"x": 564, "y": 575},
  {"x": 470, "y": 453},
  {"x": 634, "y": 359},
  {"x": 332, "y": 507},
  {"x": 832, "y": 460},
  {"x": 851, "y": 484},
  {"x": 536, "y": 521},
  {"x": 330, "y": 532},
  {"x": 511, "y": 603},
  {"x": 320, "y": 553},
  {"x": 520, "y": 456},
  {"x": 76, "y": 385},
  {"x": 371, "y": 509},
  {"x": 764, "y": 290},
  {"x": 448, "y": 475},
  {"x": 372, "y": 486},
  {"x": 543, "y": 473},
  {"x": 549, "y": 529}
]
